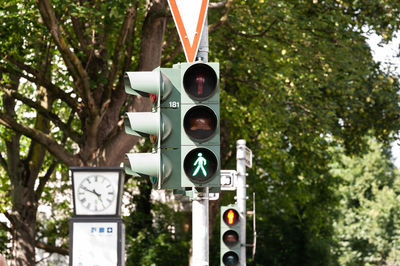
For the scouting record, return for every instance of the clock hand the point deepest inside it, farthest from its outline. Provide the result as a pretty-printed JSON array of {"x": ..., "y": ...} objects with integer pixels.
[
  {"x": 97, "y": 194},
  {"x": 99, "y": 198},
  {"x": 91, "y": 191}
]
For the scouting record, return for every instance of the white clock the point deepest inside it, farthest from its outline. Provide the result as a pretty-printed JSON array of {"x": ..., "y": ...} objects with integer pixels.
[
  {"x": 97, "y": 190},
  {"x": 96, "y": 193}
]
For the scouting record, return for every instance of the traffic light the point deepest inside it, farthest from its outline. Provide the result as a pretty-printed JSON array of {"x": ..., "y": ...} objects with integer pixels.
[
  {"x": 200, "y": 130},
  {"x": 161, "y": 125},
  {"x": 230, "y": 235}
]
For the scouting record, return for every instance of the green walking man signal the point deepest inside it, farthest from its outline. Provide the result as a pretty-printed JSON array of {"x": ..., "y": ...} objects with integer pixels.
[{"x": 200, "y": 162}]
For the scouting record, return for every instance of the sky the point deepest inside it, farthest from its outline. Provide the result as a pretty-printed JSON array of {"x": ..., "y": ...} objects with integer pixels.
[{"x": 387, "y": 54}]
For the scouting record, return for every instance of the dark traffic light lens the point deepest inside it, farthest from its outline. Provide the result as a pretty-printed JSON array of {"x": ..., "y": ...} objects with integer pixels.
[
  {"x": 230, "y": 238},
  {"x": 200, "y": 123},
  {"x": 200, "y": 165},
  {"x": 200, "y": 81},
  {"x": 231, "y": 217},
  {"x": 230, "y": 258}
]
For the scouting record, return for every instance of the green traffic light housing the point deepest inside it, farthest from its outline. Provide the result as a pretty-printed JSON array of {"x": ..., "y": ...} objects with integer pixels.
[
  {"x": 200, "y": 137},
  {"x": 230, "y": 235},
  {"x": 159, "y": 123}
]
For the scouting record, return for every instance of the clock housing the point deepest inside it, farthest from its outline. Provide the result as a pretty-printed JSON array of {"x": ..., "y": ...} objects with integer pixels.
[{"x": 97, "y": 191}]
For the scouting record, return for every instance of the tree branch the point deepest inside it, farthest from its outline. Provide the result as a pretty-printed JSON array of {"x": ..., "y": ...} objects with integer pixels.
[
  {"x": 219, "y": 4},
  {"x": 44, "y": 179},
  {"x": 172, "y": 55},
  {"x": 50, "y": 170},
  {"x": 9, "y": 217},
  {"x": 118, "y": 142},
  {"x": 3, "y": 162},
  {"x": 49, "y": 115},
  {"x": 84, "y": 42},
  {"x": 12, "y": 142},
  {"x": 56, "y": 91},
  {"x": 51, "y": 249},
  {"x": 72, "y": 62},
  {"x": 44, "y": 139},
  {"x": 254, "y": 35},
  {"x": 118, "y": 96},
  {"x": 224, "y": 17},
  {"x": 152, "y": 35},
  {"x": 128, "y": 23},
  {"x": 5, "y": 227}
]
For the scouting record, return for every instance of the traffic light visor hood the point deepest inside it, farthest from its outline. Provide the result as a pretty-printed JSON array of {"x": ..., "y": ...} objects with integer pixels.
[{"x": 142, "y": 83}]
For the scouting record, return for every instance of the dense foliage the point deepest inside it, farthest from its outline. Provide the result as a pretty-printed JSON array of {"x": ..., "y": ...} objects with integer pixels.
[
  {"x": 367, "y": 230},
  {"x": 298, "y": 78}
]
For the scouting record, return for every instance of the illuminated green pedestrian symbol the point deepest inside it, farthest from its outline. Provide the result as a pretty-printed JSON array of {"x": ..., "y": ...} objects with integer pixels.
[{"x": 200, "y": 162}]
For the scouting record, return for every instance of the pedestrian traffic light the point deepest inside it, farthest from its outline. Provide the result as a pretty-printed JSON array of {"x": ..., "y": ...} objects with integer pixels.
[
  {"x": 230, "y": 235},
  {"x": 200, "y": 131},
  {"x": 161, "y": 125}
]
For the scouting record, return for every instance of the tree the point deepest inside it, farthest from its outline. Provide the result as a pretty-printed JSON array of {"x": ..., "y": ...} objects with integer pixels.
[
  {"x": 68, "y": 71},
  {"x": 367, "y": 229},
  {"x": 299, "y": 78}
]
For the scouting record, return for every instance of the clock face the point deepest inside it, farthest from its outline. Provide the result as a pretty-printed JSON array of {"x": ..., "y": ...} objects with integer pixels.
[{"x": 96, "y": 193}]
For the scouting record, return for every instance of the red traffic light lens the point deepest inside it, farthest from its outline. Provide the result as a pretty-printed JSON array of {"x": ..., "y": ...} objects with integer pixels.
[
  {"x": 153, "y": 97},
  {"x": 230, "y": 258},
  {"x": 200, "y": 81},
  {"x": 231, "y": 217},
  {"x": 153, "y": 138},
  {"x": 230, "y": 238}
]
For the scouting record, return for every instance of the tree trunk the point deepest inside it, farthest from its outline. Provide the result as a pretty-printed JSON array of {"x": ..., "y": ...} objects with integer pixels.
[
  {"x": 23, "y": 219},
  {"x": 23, "y": 174}
]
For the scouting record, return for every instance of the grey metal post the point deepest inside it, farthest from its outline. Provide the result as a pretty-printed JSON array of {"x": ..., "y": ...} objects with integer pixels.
[
  {"x": 241, "y": 195},
  {"x": 202, "y": 53},
  {"x": 200, "y": 238}
]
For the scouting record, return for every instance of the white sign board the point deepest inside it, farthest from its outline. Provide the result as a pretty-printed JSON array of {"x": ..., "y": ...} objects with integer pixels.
[
  {"x": 95, "y": 244},
  {"x": 228, "y": 179},
  {"x": 189, "y": 17},
  {"x": 249, "y": 157}
]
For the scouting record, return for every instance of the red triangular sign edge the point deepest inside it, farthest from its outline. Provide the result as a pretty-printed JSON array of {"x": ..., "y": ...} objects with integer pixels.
[{"x": 190, "y": 50}]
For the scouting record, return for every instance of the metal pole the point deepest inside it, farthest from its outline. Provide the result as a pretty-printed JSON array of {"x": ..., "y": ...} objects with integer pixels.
[
  {"x": 241, "y": 195},
  {"x": 202, "y": 53},
  {"x": 200, "y": 238}
]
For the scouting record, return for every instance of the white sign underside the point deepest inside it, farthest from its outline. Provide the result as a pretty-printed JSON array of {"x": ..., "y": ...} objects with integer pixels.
[{"x": 189, "y": 11}]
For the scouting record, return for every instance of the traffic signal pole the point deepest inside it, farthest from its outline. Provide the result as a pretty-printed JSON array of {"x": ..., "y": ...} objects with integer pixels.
[
  {"x": 200, "y": 235},
  {"x": 203, "y": 46},
  {"x": 241, "y": 195},
  {"x": 200, "y": 239}
]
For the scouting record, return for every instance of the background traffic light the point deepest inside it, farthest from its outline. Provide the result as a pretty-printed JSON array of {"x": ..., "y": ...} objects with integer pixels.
[
  {"x": 161, "y": 125},
  {"x": 230, "y": 235},
  {"x": 200, "y": 125}
]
